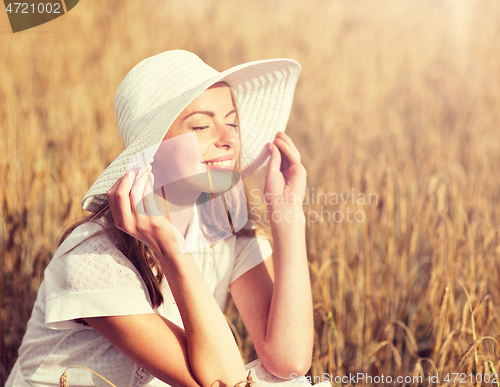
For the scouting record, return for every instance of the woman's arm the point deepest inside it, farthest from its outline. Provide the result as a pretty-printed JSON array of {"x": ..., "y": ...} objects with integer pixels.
[
  {"x": 279, "y": 315},
  {"x": 152, "y": 342},
  {"x": 207, "y": 353}
]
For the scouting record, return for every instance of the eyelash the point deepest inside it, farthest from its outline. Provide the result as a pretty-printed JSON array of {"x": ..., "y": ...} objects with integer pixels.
[{"x": 206, "y": 127}]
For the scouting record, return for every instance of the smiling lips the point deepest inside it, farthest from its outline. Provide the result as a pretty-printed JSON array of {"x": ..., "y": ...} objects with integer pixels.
[{"x": 224, "y": 162}]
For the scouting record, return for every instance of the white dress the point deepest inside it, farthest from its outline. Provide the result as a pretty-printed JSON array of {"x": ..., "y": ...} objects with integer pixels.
[{"x": 96, "y": 279}]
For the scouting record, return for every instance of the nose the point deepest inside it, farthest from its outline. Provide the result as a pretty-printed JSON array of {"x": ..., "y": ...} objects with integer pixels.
[{"x": 227, "y": 136}]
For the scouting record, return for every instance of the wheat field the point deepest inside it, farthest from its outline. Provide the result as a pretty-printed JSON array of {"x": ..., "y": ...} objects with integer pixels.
[{"x": 398, "y": 101}]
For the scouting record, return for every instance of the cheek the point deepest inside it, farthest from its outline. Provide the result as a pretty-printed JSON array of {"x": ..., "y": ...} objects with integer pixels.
[
  {"x": 177, "y": 158},
  {"x": 204, "y": 142},
  {"x": 238, "y": 147}
]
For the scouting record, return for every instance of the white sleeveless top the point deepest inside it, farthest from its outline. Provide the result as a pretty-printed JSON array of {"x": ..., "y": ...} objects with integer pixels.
[{"x": 96, "y": 279}]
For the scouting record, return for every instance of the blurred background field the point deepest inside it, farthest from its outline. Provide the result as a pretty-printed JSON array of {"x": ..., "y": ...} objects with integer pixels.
[{"x": 397, "y": 98}]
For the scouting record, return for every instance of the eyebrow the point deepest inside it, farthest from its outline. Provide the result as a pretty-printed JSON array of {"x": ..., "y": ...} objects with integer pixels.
[{"x": 208, "y": 113}]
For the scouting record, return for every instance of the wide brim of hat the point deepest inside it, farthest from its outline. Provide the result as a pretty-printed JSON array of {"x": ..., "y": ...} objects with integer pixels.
[{"x": 264, "y": 92}]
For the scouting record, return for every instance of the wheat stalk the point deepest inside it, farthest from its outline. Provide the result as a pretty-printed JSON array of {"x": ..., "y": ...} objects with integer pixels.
[
  {"x": 63, "y": 380},
  {"x": 493, "y": 371}
]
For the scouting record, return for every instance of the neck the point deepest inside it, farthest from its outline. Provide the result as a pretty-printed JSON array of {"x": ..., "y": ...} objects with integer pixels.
[{"x": 179, "y": 202}]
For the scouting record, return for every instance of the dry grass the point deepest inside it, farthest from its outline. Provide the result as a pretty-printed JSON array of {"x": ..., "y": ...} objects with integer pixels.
[{"x": 397, "y": 98}]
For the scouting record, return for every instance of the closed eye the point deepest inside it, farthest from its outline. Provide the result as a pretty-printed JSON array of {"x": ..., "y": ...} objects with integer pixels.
[{"x": 200, "y": 127}]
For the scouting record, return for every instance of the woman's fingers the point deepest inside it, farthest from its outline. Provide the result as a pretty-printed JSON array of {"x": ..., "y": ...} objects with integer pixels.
[
  {"x": 286, "y": 174},
  {"x": 275, "y": 162},
  {"x": 119, "y": 200},
  {"x": 291, "y": 154},
  {"x": 132, "y": 203},
  {"x": 137, "y": 192},
  {"x": 148, "y": 197},
  {"x": 143, "y": 196},
  {"x": 288, "y": 140}
]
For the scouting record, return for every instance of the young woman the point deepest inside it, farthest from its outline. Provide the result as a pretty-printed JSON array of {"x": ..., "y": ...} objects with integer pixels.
[{"x": 136, "y": 291}]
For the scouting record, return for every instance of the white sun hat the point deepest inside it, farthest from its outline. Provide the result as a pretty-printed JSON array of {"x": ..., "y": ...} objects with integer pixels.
[{"x": 159, "y": 88}]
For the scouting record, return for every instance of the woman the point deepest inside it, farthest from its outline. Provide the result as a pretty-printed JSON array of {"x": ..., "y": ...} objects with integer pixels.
[{"x": 104, "y": 303}]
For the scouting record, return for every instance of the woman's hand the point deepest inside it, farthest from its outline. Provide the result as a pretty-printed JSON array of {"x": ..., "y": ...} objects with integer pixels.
[
  {"x": 132, "y": 203},
  {"x": 279, "y": 316},
  {"x": 206, "y": 353},
  {"x": 286, "y": 176}
]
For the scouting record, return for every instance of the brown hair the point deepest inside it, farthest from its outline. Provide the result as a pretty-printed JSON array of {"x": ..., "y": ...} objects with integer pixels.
[{"x": 140, "y": 255}]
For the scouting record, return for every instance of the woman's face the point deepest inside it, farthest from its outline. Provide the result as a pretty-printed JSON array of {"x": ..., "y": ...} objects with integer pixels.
[
  {"x": 208, "y": 125},
  {"x": 212, "y": 116}
]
